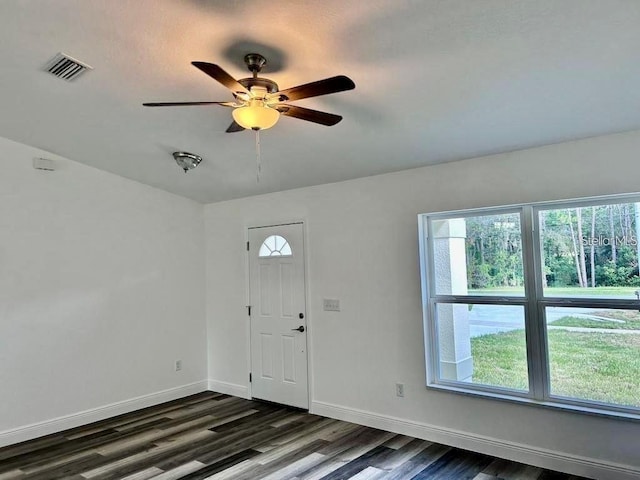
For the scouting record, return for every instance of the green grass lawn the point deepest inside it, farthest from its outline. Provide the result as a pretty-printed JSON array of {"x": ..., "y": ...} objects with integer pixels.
[
  {"x": 628, "y": 323},
  {"x": 595, "y": 366},
  {"x": 589, "y": 291},
  {"x": 500, "y": 359},
  {"x": 624, "y": 292}
]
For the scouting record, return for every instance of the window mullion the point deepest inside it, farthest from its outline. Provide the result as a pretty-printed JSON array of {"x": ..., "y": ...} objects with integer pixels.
[{"x": 534, "y": 325}]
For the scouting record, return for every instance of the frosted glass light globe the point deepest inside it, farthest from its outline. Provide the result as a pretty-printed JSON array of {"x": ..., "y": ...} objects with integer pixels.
[{"x": 256, "y": 116}]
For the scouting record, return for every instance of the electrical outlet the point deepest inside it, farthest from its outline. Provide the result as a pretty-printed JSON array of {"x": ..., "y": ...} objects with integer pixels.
[
  {"x": 400, "y": 389},
  {"x": 331, "y": 305},
  {"x": 178, "y": 365}
]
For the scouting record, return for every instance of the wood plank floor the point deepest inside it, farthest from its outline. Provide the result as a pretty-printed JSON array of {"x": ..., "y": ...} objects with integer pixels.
[{"x": 215, "y": 436}]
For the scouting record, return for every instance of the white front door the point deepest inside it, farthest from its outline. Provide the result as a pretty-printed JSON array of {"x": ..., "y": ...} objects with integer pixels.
[{"x": 278, "y": 315}]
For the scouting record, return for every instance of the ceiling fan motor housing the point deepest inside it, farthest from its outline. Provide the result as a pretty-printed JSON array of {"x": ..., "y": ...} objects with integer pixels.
[
  {"x": 265, "y": 83},
  {"x": 255, "y": 62}
]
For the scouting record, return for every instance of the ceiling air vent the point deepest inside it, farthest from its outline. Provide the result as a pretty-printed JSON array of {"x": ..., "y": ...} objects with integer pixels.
[{"x": 66, "y": 68}]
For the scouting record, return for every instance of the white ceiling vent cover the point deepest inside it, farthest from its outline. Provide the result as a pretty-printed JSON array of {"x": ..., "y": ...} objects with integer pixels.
[{"x": 66, "y": 68}]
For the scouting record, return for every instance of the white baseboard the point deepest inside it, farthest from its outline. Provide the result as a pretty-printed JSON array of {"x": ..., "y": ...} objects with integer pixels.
[
  {"x": 229, "y": 388},
  {"x": 563, "y": 462},
  {"x": 34, "y": 430}
]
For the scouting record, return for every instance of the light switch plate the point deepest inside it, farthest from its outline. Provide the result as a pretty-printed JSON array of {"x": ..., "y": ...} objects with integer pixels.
[{"x": 331, "y": 305}]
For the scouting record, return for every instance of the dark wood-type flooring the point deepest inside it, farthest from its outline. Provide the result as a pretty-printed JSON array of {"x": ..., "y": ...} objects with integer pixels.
[{"x": 215, "y": 436}]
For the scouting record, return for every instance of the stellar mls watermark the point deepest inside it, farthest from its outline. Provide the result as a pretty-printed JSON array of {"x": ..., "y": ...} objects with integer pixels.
[{"x": 602, "y": 241}]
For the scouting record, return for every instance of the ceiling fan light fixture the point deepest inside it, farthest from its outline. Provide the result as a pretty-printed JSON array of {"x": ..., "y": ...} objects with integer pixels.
[{"x": 256, "y": 116}]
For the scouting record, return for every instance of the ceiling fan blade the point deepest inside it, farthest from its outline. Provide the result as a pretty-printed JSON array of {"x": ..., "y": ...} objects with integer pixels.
[
  {"x": 217, "y": 73},
  {"x": 315, "y": 89},
  {"x": 234, "y": 127},
  {"x": 309, "y": 115},
  {"x": 184, "y": 104}
]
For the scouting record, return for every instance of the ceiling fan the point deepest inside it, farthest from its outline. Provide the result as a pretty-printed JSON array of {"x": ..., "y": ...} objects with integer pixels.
[{"x": 258, "y": 102}]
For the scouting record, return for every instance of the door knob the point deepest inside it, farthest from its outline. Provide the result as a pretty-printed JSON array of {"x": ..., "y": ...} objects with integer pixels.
[{"x": 299, "y": 329}]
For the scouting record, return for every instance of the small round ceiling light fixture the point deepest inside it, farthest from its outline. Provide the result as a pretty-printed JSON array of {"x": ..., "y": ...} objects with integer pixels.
[{"x": 187, "y": 161}]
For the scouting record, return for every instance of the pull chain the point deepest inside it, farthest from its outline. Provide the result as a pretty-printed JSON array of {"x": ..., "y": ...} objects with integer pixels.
[{"x": 258, "y": 160}]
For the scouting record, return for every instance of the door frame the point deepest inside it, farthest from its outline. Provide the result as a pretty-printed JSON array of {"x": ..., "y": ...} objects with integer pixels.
[{"x": 306, "y": 291}]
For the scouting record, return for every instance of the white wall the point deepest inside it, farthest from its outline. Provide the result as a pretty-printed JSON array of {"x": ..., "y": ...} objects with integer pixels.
[
  {"x": 101, "y": 289},
  {"x": 362, "y": 247}
]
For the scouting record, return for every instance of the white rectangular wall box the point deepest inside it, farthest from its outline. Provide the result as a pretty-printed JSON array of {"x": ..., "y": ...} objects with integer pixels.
[{"x": 44, "y": 164}]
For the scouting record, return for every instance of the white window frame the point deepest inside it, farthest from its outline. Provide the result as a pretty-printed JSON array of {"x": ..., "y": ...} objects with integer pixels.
[{"x": 533, "y": 302}]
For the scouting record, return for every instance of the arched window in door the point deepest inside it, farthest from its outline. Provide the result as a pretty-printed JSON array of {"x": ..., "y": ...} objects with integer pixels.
[{"x": 275, "y": 246}]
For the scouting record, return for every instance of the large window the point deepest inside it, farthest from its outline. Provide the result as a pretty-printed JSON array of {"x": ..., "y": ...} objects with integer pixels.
[{"x": 538, "y": 303}]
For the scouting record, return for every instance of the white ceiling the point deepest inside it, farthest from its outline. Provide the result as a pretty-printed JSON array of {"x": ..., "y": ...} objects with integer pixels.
[{"x": 436, "y": 81}]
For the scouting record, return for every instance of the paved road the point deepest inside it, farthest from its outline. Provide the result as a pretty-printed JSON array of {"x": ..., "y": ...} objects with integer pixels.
[{"x": 486, "y": 319}]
